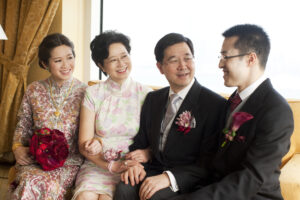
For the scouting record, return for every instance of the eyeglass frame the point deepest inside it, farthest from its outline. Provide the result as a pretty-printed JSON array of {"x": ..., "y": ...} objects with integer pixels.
[
  {"x": 223, "y": 57},
  {"x": 175, "y": 60}
]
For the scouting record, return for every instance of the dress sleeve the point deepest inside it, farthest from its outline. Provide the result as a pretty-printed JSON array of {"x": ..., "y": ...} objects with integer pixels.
[
  {"x": 88, "y": 100},
  {"x": 24, "y": 126}
]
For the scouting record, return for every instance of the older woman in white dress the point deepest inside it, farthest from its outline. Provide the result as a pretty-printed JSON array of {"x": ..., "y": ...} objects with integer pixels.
[{"x": 110, "y": 113}]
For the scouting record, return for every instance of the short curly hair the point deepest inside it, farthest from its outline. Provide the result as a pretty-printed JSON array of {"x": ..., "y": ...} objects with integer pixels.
[{"x": 100, "y": 45}]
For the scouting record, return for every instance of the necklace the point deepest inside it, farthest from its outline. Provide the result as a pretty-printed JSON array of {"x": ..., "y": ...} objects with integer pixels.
[{"x": 58, "y": 107}]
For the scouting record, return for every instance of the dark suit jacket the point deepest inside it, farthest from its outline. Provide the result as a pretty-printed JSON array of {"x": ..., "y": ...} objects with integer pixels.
[
  {"x": 251, "y": 169},
  {"x": 180, "y": 149}
]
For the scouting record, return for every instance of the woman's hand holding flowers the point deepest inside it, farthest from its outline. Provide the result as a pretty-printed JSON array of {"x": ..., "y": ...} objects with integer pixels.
[{"x": 22, "y": 156}]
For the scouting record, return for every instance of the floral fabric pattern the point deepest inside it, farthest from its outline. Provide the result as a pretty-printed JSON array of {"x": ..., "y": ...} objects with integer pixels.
[
  {"x": 37, "y": 111},
  {"x": 117, "y": 116}
]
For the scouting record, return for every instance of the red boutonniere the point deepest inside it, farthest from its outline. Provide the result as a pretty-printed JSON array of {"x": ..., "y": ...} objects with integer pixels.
[
  {"x": 49, "y": 148},
  {"x": 185, "y": 122},
  {"x": 238, "y": 119}
]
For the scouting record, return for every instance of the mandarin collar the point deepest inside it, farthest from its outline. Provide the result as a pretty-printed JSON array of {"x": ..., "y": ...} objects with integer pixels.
[
  {"x": 117, "y": 88},
  {"x": 65, "y": 85}
]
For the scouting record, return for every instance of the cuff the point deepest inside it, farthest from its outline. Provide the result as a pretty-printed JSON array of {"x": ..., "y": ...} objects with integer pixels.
[{"x": 173, "y": 186}]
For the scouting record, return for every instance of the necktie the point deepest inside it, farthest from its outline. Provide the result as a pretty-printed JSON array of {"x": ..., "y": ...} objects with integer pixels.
[
  {"x": 235, "y": 101},
  {"x": 171, "y": 111}
]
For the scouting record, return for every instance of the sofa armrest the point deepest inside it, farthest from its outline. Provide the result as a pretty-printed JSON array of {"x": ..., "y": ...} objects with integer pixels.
[
  {"x": 290, "y": 153},
  {"x": 290, "y": 179}
]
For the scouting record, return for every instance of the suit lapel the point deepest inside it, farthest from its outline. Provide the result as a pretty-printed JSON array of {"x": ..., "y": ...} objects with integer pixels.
[
  {"x": 255, "y": 102},
  {"x": 158, "y": 115},
  {"x": 188, "y": 104},
  {"x": 251, "y": 106}
]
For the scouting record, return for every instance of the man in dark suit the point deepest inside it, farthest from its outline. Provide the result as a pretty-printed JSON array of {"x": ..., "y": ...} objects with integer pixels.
[
  {"x": 247, "y": 163},
  {"x": 186, "y": 140}
]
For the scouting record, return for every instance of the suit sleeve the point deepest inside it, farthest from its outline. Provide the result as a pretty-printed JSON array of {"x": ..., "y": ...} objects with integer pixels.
[
  {"x": 262, "y": 160},
  {"x": 140, "y": 141}
]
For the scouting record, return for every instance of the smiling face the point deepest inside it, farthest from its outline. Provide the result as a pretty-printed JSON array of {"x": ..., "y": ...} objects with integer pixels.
[
  {"x": 178, "y": 66},
  {"x": 237, "y": 71},
  {"x": 118, "y": 63},
  {"x": 61, "y": 63}
]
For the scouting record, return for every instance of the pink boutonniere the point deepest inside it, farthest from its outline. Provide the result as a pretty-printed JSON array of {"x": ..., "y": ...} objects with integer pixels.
[
  {"x": 185, "y": 122},
  {"x": 112, "y": 155},
  {"x": 238, "y": 119}
]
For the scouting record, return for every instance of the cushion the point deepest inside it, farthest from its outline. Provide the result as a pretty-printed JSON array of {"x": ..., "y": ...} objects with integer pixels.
[{"x": 290, "y": 179}]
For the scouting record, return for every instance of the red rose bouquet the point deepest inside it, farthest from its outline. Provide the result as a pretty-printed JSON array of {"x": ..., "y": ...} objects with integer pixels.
[{"x": 49, "y": 148}]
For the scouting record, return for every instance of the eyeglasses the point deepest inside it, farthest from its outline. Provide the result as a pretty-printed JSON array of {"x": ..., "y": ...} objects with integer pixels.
[
  {"x": 175, "y": 61},
  {"x": 223, "y": 57},
  {"x": 114, "y": 60}
]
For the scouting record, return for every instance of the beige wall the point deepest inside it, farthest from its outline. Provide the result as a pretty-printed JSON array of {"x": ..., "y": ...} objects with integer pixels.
[{"x": 76, "y": 26}]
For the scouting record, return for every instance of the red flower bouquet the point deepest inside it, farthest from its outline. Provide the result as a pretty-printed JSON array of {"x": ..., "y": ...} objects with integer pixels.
[
  {"x": 49, "y": 148},
  {"x": 238, "y": 119}
]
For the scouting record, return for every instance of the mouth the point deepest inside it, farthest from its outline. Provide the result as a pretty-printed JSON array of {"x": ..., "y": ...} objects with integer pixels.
[
  {"x": 123, "y": 70},
  {"x": 225, "y": 72},
  {"x": 66, "y": 72},
  {"x": 183, "y": 75}
]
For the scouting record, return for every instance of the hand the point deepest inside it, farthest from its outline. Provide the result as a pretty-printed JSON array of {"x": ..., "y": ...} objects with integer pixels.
[
  {"x": 22, "y": 156},
  {"x": 152, "y": 184},
  {"x": 121, "y": 166},
  {"x": 93, "y": 146},
  {"x": 134, "y": 174},
  {"x": 140, "y": 155}
]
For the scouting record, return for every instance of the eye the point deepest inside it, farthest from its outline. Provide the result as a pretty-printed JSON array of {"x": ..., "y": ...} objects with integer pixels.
[
  {"x": 70, "y": 57},
  {"x": 124, "y": 56},
  {"x": 113, "y": 60},
  {"x": 187, "y": 59},
  {"x": 173, "y": 61},
  {"x": 57, "y": 61}
]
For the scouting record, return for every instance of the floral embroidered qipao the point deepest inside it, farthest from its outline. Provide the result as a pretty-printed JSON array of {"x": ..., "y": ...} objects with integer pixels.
[{"x": 37, "y": 111}]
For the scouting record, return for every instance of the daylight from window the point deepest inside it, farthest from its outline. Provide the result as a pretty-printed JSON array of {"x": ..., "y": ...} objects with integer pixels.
[{"x": 145, "y": 22}]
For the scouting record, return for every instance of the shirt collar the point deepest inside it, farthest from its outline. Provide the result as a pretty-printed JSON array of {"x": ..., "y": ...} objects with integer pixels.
[
  {"x": 182, "y": 93},
  {"x": 251, "y": 88}
]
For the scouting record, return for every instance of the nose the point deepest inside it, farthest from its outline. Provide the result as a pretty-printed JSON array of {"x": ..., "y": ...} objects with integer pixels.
[
  {"x": 182, "y": 64},
  {"x": 65, "y": 64},
  {"x": 221, "y": 63},
  {"x": 121, "y": 62}
]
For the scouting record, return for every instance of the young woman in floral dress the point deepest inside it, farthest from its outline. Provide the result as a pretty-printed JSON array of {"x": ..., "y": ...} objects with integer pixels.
[
  {"x": 53, "y": 103},
  {"x": 110, "y": 111}
]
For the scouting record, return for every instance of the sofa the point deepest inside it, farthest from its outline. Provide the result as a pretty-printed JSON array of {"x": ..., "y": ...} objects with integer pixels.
[{"x": 290, "y": 167}]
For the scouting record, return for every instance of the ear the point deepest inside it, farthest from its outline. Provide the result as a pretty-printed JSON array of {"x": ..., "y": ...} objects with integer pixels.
[
  {"x": 160, "y": 67},
  {"x": 45, "y": 66},
  {"x": 101, "y": 67},
  {"x": 253, "y": 60}
]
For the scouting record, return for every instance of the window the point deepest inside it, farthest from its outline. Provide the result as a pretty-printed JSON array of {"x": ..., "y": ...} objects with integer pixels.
[{"x": 145, "y": 22}]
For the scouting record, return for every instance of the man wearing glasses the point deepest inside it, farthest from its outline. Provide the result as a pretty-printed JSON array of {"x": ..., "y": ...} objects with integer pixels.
[
  {"x": 178, "y": 125},
  {"x": 247, "y": 163}
]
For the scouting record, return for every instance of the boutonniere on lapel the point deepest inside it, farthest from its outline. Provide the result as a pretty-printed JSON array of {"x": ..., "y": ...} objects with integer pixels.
[
  {"x": 185, "y": 122},
  {"x": 238, "y": 119}
]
